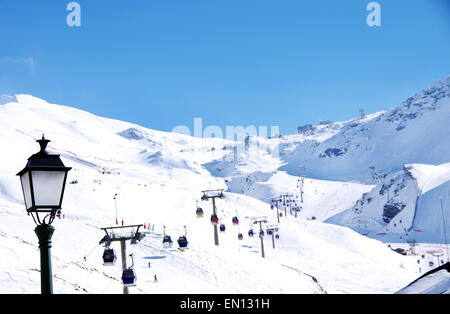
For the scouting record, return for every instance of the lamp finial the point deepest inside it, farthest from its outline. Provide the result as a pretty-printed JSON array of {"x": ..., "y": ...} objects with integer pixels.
[{"x": 43, "y": 143}]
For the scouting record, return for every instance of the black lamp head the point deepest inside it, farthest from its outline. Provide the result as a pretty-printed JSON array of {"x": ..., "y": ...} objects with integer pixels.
[{"x": 43, "y": 182}]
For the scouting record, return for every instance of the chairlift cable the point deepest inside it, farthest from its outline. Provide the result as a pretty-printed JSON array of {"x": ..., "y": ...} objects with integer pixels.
[
  {"x": 119, "y": 269},
  {"x": 73, "y": 275}
]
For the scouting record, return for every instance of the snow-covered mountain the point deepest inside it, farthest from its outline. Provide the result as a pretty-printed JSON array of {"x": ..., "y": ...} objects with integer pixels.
[
  {"x": 410, "y": 205},
  {"x": 159, "y": 176},
  {"x": 395, "y": 204},
  {"x": 416, "y": 131}
]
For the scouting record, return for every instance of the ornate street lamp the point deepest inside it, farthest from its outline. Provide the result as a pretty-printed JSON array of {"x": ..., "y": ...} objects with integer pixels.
[{"x": 43, "y": 182}]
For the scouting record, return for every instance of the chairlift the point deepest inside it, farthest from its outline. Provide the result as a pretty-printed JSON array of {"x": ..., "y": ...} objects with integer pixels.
[
  {"x": 199, "y": 212},
  {"x": 251, "y": 233},
  {"x": 109, "y": 257},
  {"x": 222, "y": 228},
  {"x": 129, "y": 277},
  {"x": 277, "y": 237},
  {"x": 167, "y": 242},
  {"x": 261, "y": 233},
  {"x": 235, "y": 221},
  {"x": 269, "y": 232},
  {"x": 214, "y": 219},
  {"x": 183, "y": 242},
  {"x": 240, "y": 237}
]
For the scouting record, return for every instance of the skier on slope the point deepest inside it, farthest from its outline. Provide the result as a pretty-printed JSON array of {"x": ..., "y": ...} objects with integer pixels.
[{"x": 156, "y": 278}]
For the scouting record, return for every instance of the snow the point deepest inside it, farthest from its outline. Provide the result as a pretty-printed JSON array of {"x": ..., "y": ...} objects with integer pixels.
[
  {"x": 421, "y": 194},
  {"x": 435, "y": 282},
  {"x": 414, "y": 132},
  {"x": 158, "y": 178},
  {"x": 429, "y": 177}
]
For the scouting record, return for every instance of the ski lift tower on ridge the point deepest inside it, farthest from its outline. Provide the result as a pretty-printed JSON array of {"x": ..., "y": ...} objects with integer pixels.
[
  {"x": 271, "y": 230},
  {"x": 131, "y": 234},
  {"x": 301, "y": 182},
  {"x": 275, "y": 203},
  {"x": 286, "y": 200},
  {"x": 260, "y": 221},
  {"x": 213, "y": 194}
]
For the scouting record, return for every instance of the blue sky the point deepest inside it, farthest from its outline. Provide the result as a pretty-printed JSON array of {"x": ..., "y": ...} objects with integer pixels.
[{"x": 162, "y": 63}]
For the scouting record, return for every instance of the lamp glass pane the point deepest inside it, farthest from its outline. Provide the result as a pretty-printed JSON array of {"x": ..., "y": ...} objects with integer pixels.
[
  {"x": 48, "y": 187},
  {"x": 25, "y": 179}
]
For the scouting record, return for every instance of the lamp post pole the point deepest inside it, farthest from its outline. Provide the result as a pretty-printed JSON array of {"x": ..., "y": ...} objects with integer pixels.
[
  {"x": 44, "y": 234},
  {"x": 115, "y": 204}
]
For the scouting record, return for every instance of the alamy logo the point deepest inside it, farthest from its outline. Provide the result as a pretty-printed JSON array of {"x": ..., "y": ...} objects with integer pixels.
[
  {"x": 244, "y": 142},
  {"x": 374, "y": 17},
  {"x": 74, "y": 17}
]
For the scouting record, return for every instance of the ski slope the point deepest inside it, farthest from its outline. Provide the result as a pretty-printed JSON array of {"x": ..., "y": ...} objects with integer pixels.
[
  {"x": 411, "y": 205},
  {"x": 158, "y": 178},
  {"x": 436, "y": 281},
  {"x": 416, "y": 131}
]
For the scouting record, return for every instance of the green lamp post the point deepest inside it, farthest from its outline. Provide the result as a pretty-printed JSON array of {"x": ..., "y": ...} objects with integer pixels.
[{"x": 43, "y": 182}]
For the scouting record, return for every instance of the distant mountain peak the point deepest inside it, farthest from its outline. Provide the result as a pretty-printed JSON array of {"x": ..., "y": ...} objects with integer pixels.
[{"x": 4, "y": 99}]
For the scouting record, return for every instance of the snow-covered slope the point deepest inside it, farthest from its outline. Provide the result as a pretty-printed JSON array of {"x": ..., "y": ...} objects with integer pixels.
[
  {"x": 158, "y": 178},
  {"x": 369, "y": 156},
  {"x": 416, "y": 131},
  {"x": 258, "y": 176},
  {"x": 408, "y": 205},
  {"x": 436, "y": 281}
]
